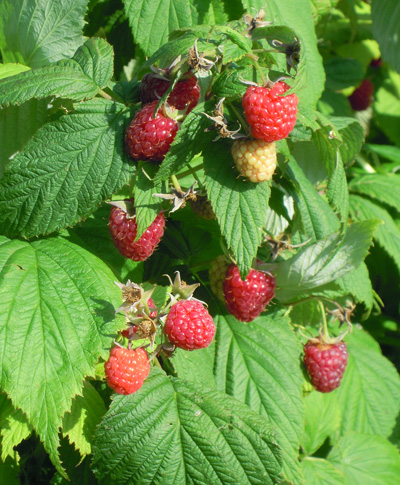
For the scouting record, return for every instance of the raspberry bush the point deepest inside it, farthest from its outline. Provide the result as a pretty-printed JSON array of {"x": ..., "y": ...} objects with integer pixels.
[{"x": 199, "y": 241}]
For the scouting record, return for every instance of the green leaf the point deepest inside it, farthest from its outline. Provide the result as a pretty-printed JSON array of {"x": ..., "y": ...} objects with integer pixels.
[
  {"x": 62, "y": 300},
  {"x": 240, "y": 205},
  {"x": 390, "y": 152},
  {"x": 317, "y": 216},
  {"x": 253, "y": 365},
  {"x": 342, "y": 73},
  {"x": 297, "y": 15},
  {"x": 358, "y": 284},
  {"x": 195, "y": 366},
  {"x": 382, "y": 187},
  {"x": 144, "y": 15},
  {"x": 318, "y": 471},
  {"x": 323, "y": 261},
  {"x": 17, "y": 126},
  {"x": 385, "y": 23},
  {"x": 146, "y": 206},
  {"x": 162, "y": 433},
  {"x": 369, "y": 394},
  {"x": 66, "y": 170},
  {"x": 188, "y": 142},
  {"x": 40, "y": 33},
  {"x": 93, "y": 234},
  {"x": 14, "y": 427},
  {"x": 80, "y": 423},
  {"x": 387, "y": 234},
  {"x": 10, "y": 471},
  {"x": 387, "y": 106},
  {"x": 366, "y": 459},
  {"x": 322, "y": 418},
  {"x": 11, "y": 69},
  {"x": 79, "y": 78}
]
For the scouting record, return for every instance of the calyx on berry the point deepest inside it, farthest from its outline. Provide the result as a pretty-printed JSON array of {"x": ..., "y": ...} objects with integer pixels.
[{"x": 180, "y": 290}]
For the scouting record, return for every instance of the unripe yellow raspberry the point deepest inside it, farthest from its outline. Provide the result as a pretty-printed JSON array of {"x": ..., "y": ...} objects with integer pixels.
[{"x": 255, "y": 159}]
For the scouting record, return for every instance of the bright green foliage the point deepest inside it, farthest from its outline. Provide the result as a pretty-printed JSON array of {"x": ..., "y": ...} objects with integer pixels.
[{"x": 187, "y": 425}]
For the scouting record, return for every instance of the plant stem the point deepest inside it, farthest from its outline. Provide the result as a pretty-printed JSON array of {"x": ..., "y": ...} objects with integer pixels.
[
  {"x": 105, "y": 95},
  {"x": 241, "y": 119},
  {"x": 255, "y": 63},
  {"x": 191, "y": 170},
  {"x": 176, "y": 183},
  {"x": 364, "y": 164},
  {"x": 325, "y": 333}
]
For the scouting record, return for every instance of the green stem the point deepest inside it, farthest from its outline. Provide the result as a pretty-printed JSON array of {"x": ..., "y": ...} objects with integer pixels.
[
  {"x": 255, "y": 63},
  {"x": 364, "y": 164},
  {"x": 325, "y": 333},
  {"x": 241, "y": 119},
  {"x": 191, "y": 170},
  {"x": 105, "y": 95},
  {"x": 174, "y": 180}
]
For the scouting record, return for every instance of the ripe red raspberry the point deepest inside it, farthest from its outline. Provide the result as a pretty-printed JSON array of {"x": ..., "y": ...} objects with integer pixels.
[
  {"x": 325, "y": 364},
  {"x": 270, "y": 115},
  {"x": 255, "y": 159},
  {"x": 361, "y": 98},
  {"x": 132, "y": 329},
  {"x": 123, "y": 232},
  {"x": 189, "y": 326},
  {"x": 202, "y": 207},
  {"x": 247, "y": 299},
  {"x": 185, "y": 94},
  {"x": 149, "y": 138},
  {"x": 217, "y": 274},
  {"x": 126, "y": 369}
]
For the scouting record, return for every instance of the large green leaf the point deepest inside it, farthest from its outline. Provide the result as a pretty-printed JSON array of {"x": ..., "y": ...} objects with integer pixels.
[
  {"x": 58, "y": 306},
  {"x": 80, "y": 423},
  {"x": 358, "y": 283},
  {"x": 79, "y": 78},
  {"x": 322, "y": 418},
  {"x": 318, "y": 218},
  {"x": 240, "y": 205},
  {"x": 196, "y": 366},
  {"x": 382, "y": 187},
  {"x": 324, "y": 261},
  {"x": 363, "y": 459},
  {"x": 387, "y": 106},
  {"x": 318, "y": 471},
  {"x": 148, "y": 15},
  {"x": 369, "y": 394},
  {"x": 172, "y": 431},
  {"x": 258, "y": 364},
  {"x": 17, "y": 125},
  {"x": 387, "y": 234},
  {"x": 66, "y": 170},
  {"x": 38, "y": 33},
  {"x": 385, "y": 27},
  {"x": 13, "y": 425}
]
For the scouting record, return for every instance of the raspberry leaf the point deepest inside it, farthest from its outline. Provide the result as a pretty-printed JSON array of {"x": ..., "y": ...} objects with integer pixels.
[
  {"x": 369, "y": 395},
  {"x": 363, "y": 458},
  {"x": 322, "y": 418},
  {"x": 67, "y": 323},
  {"x": 239, "y": 205},
  {"x": 324, "y": 261},
  {"x": 319, "y": 470},
  {"x": 36, "y": 35},
  {"x": 80, "y": 422},
  {"x": 387, "y": 234},
  {"x": 179, "y": 415},
  {"x": 146, "y": 206},
  {"x": 66, "y": 170},
  {"x": 270, "y": 378},
  {"x": 195, "y": 366},
  {"x": 383, "y": 188},
  {"x": 386, "y": 33},
  {"x": 79, "y": 78}
]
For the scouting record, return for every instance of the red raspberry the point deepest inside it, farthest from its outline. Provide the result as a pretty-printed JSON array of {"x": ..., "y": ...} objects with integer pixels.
[
  {"x": 123, "y": 232},
  {"x": 217, "y": 274},
  {"x": 202, "y": 207},
  {"x": 270, "y": 115},
  {"x": 247, "y": 299},
  {"x": 189, "y": 326},
  {"x": 255, "y": 159},
  {"x": 325, "y": 364},
  {"x": 149, "y": 138},
  {"x": 185, "y": 94},
  {"x": 126, "y": 369},
  {"x": 361, "y": 98},
  {"x": 134, "y": 328}
]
